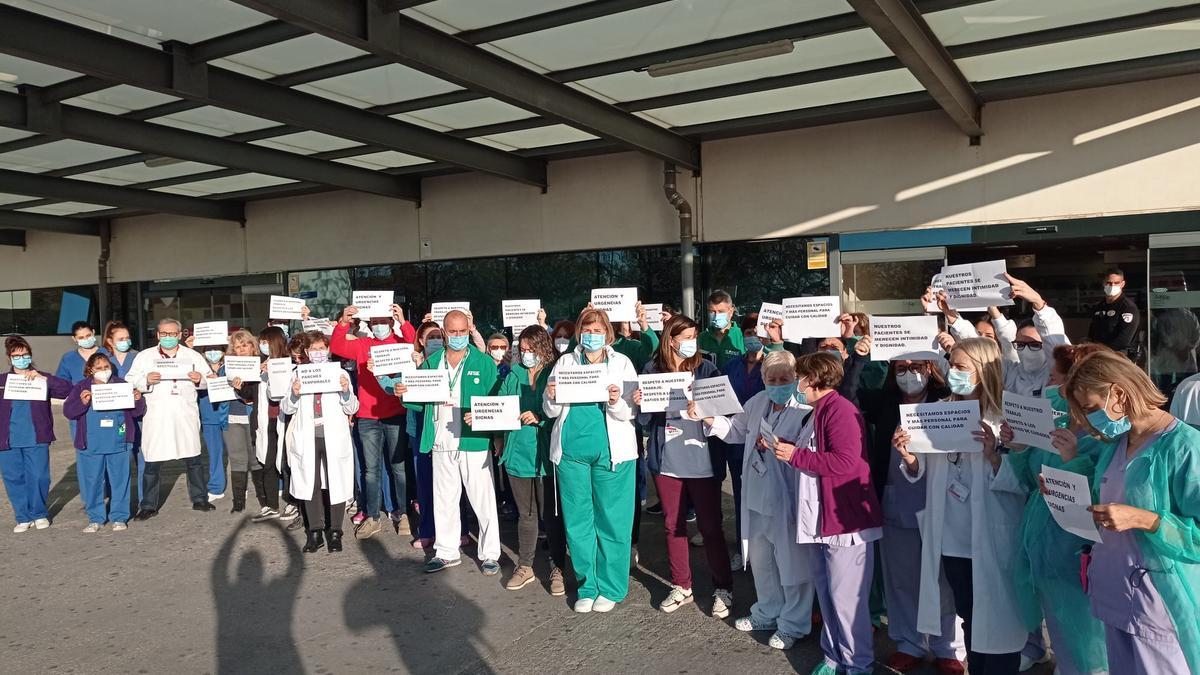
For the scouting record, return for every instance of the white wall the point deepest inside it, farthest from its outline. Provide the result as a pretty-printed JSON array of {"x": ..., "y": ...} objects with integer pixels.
[{"x": 1124, "y": 149}]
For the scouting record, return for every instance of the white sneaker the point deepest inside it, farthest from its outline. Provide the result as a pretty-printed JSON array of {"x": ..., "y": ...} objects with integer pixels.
[
  {"x": 22, "y": 527},
  {"x": 722, "y": 603},
  {"x": 119, "y": 527},
  {"x": 678, "y": 598},
  {"x": 748, "y": 624},
  {"x": 603, "y": 604},
  {"x": 92, "y": 528},
  {"x": 782, "y": 641},
  {"x": 289, "y": 512},
  {"x": 584, "y": 605},
  {"x": 41, "y": 523},
  {"x": 213, "y": 498}
]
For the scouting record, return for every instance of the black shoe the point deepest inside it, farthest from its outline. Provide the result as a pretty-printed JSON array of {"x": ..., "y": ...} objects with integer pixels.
[
  {"x": 145, "y": 514},
  {"x": 335, "y": 541},
  {"x": 315, "y": 542},
  {"x": 655, "y": 509},
  {"x": 238, "y": 507},
  {"x": 203, "y": 506}
]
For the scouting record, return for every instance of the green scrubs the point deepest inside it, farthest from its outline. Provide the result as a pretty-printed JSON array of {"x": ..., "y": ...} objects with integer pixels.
[
  {"x": 527, "y": 450},
  {"x": 639, "y": 351},
  {"x": 724, "y": 348}
]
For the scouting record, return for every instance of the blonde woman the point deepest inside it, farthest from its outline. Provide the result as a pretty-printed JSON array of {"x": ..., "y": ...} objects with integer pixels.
[
  {"x": 238, "y": 435},
  {"x": 1142, "y": 578},
  {"x": 973, "y": 507}
]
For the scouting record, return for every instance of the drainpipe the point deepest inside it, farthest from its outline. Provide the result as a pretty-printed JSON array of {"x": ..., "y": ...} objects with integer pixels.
[
  {"x": 686, "y": 239},
  {"x": 102, "y": 272}
]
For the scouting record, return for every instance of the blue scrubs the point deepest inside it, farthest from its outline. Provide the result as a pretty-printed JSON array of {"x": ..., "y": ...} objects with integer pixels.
[
  {"x": 25, "y": 466},
  {"x": 745, "y": 385},
  {"x": 105, "y": 461},
  {"x": 123, "y": 372},
  {"x": 214, "y": 419}
]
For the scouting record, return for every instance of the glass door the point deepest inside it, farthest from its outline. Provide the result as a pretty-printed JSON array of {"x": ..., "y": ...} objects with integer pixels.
[
  {"x": 889, "y": 282},
  {"x": 1173, "y": 275}
]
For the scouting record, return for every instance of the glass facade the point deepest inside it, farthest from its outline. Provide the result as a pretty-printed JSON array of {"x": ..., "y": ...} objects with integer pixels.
[{"x": 46, "y": 311}]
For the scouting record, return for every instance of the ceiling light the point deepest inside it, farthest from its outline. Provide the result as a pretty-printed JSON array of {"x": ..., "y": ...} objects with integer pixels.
[
  {"x": 8, "y": 77},
  {"x": 777, "y": 48},
  {"x": 156, "y": 162}
]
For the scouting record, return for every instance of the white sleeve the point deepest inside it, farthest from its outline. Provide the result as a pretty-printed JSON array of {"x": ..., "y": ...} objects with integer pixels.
[
  {"x": 1050, "y": 326},
  {"x": 549, "y": 407},
  {"x": 961, "y": 329},
  {"x": 1006, "y": 332}
]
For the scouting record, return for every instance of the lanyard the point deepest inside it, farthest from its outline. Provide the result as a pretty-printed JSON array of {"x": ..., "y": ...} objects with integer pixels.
[
  {"x": 166, "y": 355},
  {"x": 454, "y": 377}
]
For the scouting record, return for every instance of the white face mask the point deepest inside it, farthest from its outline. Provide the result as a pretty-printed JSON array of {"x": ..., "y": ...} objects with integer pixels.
[
  {"x": 561, "y": 344},
  {"x": 911, "y": 383},
  {"x": 1112, "y": 290},
  {"x": 498, "y": 354},
  {"x": 102, "y": 375},
  {"x": 1032, "y": 361}
]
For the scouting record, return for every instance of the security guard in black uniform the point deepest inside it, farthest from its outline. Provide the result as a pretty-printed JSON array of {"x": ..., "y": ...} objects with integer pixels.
[{"x": 1116, "y": 318}]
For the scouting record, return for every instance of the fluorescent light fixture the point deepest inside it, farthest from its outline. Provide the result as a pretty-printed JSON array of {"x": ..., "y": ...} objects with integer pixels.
[
  {"x": 156, "y": 162},
  {"x": 8, "y": 77},
  {"x": 777, "y": 48}
]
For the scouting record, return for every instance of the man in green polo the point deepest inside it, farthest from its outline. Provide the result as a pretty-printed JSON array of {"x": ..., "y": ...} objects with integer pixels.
[{"x": 720, "y": 340}]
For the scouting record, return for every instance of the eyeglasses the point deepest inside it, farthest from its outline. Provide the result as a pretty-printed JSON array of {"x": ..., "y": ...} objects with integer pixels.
[
  {"x": 1032, "y": 346},
  {"x": 163, "y": 333},
  {"x": 914, "y": 368}
]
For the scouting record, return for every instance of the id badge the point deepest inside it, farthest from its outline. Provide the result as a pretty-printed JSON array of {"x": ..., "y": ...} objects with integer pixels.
[
  {"x": 759, "y": 466},
  {"x": 959, "y": 491},
  {"x": 106, "y": 424}
]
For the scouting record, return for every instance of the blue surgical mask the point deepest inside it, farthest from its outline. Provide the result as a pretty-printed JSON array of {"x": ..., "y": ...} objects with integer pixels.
[
  {"x": 1105, "y": 425},
  {"x": 168, "y": 342},
  {"x": 592, "y": 342},
  {"x": 833, "y": 350},
  {"x": 529, "y": 359},
  {"x": 264, "y": 349},
  {"x": 753, "y": 344},
  {"x": 720, "y": 320},
  {"x": 434, "y": 345},
  {"x": 213, "y": 355},
  {"x": 781, "y": 393},
  {"x": 381, "y": 331},
  {"x": 22, "y": 362},
  {"x": 960, "y": 382},
  {"x": 457, "y": 343},
  {"x": 124, "y": 345},
  {"x": 801, "y": 397},
  {"x": 87, "y": 343},
  {"x": 687, "y": 348}
]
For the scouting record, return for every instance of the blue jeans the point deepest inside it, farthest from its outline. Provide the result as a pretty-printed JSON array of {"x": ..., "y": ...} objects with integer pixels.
[
  {"x": 383, "y": 441},
  {"x": 95, "y": 472},
  {"x": 26, "y": 474}
]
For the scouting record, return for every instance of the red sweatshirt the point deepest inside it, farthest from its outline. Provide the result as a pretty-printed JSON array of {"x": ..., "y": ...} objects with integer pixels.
[{"x": 373, "y": 402}]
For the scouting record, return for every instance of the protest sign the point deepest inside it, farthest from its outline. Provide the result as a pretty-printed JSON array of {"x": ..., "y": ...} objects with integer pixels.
[
  {"x": 768, "y": 312},
  {"x": 654, "y": 317},
  {"x": 662, "y": 392},
  {"x": 619, "y": 303},
  {"x": 279, "y": 376},
  {"x": 392, "y": 358},
  {"x": 427, "y": 386},
  {"x": 1031, "y": 419},
  {"x": 975, "y": 285},
  {"x": 372, "y": 304},
  {"x": 495, "y": 413},
  {"x": 941, "y": 427},
  {"x": 17, "y": 388},
  {"x": 1069, "y": 496},
  {"x": 814, "y": 317},
  {"x": 581, "y": 384},
  {"x": 210, "y": 334},
  {"x": 284, "y": 308},
  {"x": 899, "y": 338},
  {"x": 520, "y": 314},
  {"x": 714, "y": 396},
  {"x": 115, "y": 396},
  {"x": 439, "y": 310},
  {"x": 319, "y": 378},
  {"x": 249, "y": 368},
  {"x": 219, "y": 390}
]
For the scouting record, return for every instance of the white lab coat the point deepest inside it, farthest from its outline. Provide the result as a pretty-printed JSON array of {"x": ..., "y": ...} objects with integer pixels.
[
  {"x": 997, "y": 502},
  {"x": 1017, "y": 380},
  {"x": 781, "y": 486},
  {"x": 261, "y": 440},
  {"x": 1186, "y": 403},
  {"x": 622, "y": 439},
  {"x": 339, "y": 448},
  {"x": 171, "y": 427}
]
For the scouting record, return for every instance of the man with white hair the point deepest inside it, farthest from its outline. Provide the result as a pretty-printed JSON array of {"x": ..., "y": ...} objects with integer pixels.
[{"x": 169, "y": 376}]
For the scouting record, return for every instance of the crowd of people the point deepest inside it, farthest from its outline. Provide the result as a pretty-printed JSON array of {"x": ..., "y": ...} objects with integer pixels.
[{"x": 832, "y": 503}]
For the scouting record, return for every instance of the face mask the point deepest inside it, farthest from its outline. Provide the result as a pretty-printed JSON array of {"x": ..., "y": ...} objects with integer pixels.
[
  {"x": 318, "y": 356},
  {"x": 381, "y": 331},
  {"x": 687, "y": 348},
  {"x": 459, "y": 342},
  {"x": 720, "y": 321},
  {"x": 168, "y": 342},
  {"x": 1032, "y": 361},
  {"x": 781, "y": 393},
  {"x": 124, "y": 346},
  {"x": 22, "y": 362},
  {"x": 102, "y": 375},
  {"x": 592, "y": 342},
  {"x": 960, "y": 382},
  {"x": 264, "y": 348},
  {"x": 529, "y": 359},
  {"x": 213, "y": 356},
  {"x": 434, "y": 345},
  {"x": 1105, "y": 425},
  {"x": 561, "y": 345},
  {"x": 910, "y": 383},
  {"x": 801, "y": 397},
  {"x": 753, "y": 344},
  {"x": 498, "y": 354},
  {"x": 1112, "y": 291},
  {"x": 835, "y": 352},
  {"x": 87, "y": 343}
]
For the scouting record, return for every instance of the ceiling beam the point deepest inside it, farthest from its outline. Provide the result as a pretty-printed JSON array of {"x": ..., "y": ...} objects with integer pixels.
[
  {"x": 12, "y": 238},
  {"x": 25, "y": 112},
  {"x": 361, "y": 24},
  {"x": 24, "y": 183},
  {"x": 21, "y": 220},
  {"x": 181, "y": 73},
  {"x": 902, "y": 28},
  {"x": 552, "y": 19}
]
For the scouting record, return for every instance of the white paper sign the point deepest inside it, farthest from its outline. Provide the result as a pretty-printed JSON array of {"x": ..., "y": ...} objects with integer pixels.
[
  {"x": 898, "y": 338},
  {"x": 976, "y": 285},
  {"x": 768, "y": 312},
  {"x": 115, "y": 396},
  {"x": 325, "y": 326},
  {"x": 392, "y": 359},
  {"x": 519, "y": 314},
  {"x": 219, "y": 390},
  {"x": 427, "y": 386},
  {"x": 581, "y": 384},
  {"x": 620, "y": 303},
  {"x": 439, "y": 310},
  {"x": 319, "y": 378},
  {"x": 210, "y": 333},
  {"x": 249, "y": 368},
  {"x": 17, "y": 388},
  {"x": 935, "y": 286},
  {"x": 941, "y": 427},
  {"x": 665, "y": 391},
  {"x": 654, "y": 317},
  {"x": 279, "y": 376},
  {"x": 495, "y": 413},
  {"x": 1031, "y": 419},
  {"x": 811, "y": 317},
  {"x": 171, "y": 369},
  {"x": 371, "y": 304},
  {"x": 285, "y": 308},
  {"x": 715, "y": 396},
  {"x": 1068, "y": 495}
]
